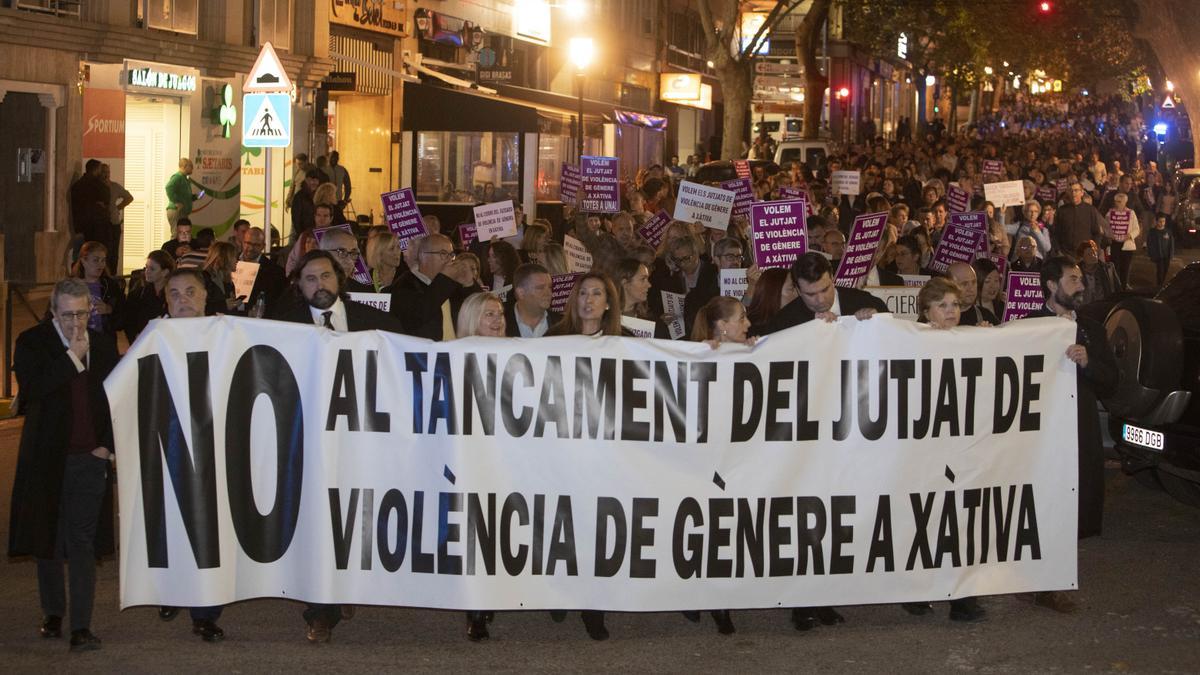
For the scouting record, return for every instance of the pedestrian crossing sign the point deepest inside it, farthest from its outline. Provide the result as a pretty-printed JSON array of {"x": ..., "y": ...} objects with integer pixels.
[{"x": 266, "y": 120}]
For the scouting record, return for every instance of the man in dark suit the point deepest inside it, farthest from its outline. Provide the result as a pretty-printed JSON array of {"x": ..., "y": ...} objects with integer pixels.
[
  {"x": 90, "y": 200},
  {"x": 422, "y": 297},
  {"x": 700, "y": 280},
  {"x": 271, "y": 280},
  {"x": 528, "y": 314},
  {"x": 62, "y": 477},
  {"x": 1096, "y": 375},
  {"x": 820, "y": 299},
  {"x": 320, "y": 287},
  {"x": 344, "y": 247}
]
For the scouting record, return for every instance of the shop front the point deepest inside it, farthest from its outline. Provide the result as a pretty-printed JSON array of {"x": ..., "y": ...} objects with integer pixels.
[
  {"x": 492, "y": 149},
  {"x": 141, "y": 118}
]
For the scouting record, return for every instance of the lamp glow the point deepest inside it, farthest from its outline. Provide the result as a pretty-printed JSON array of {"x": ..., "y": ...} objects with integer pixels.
[{"x": 582, "y": 50}]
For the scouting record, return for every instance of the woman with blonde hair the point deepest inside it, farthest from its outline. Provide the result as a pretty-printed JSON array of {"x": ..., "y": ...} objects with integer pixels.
[
  {"x": 326, "y": 195},
  {"x": 554, "y": 258},
  {"x": 383, "y": 257},
  {"x": 218, "y": 278},
  {"x": 481, "y": 314},
  {"x": 537, "y": 235}
]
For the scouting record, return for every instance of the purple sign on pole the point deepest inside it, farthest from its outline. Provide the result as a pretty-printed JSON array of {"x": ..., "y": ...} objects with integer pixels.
[
  {"x": 993, "y": 167},
  {"x": 361, "y": 274},
  {"x": 743, "y": 195},
  {"x": 1000, "y": 262},
  {"x": 1024, "y": 295},
  {"x": 654, "y": 227},
  {"x": 402, "y": 216},
  {"x": 568, "y": 184},
  {"x": 1046, "y": 193},
  {"x": 791, "y": 193},
  {"x": 468, "y": 234},
  {"x": 957, "y": 199},
  {"x": 1118, "y": 222},
  {"x": 958, "y": 244},
  {"x": 780, "y": 232},
  {"x": 560, "y": 290},
  {"x": 976, "y": 220},
  {"x": 601, "y": 189},
  {"x": 859, "y": 254}
]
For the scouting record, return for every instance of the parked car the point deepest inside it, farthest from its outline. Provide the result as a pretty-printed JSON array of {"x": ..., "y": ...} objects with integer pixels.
[
  {"x": 1187, "y": 208},
  {"x": 811, "y": 152},
  {"x": 1154, "y": 415},
  {"x": 715, "y": 172}
]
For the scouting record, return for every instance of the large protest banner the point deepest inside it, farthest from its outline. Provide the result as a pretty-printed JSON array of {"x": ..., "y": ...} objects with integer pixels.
[{"x": 895, "y": 463}]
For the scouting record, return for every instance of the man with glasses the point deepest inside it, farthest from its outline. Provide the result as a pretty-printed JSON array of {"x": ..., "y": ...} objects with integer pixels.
[
  {"x": 700, "y": 280},
  {"x": 422, "y": 296},
  {"x": 344, "y": 247},
  {"x": 1076, "y": 222},
  {"x": 63, "y": 465}
]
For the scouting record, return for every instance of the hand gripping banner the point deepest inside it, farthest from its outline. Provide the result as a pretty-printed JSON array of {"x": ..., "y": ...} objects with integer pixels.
[{"x": 831, "y": 464}]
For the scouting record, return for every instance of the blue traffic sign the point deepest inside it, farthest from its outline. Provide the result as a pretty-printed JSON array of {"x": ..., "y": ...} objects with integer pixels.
[{"x": 266, "y": 120}]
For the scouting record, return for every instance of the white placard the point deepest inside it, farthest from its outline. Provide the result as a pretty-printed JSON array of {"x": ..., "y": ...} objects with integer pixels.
[
  {"x": 496, "y": 220},
  {"x": 380, "y": 301},
  {"x": 639, "y": 327},
  {"x": 709, "y": 206},
  {"x": 243, "y": 279},
  {"x": 1008, "y": 193},
  {"x": 579, "y": 259},
  {"x": 847, "y": 183},
  {"x": 901, "y": 301},
  {"x": 734, "y": 283}
]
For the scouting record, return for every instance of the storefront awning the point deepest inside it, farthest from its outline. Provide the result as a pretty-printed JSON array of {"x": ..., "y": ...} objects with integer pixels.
[{"x": 426, "y": 107}]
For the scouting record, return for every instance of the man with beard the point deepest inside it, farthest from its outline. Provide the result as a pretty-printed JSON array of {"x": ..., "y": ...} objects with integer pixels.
[
  {"x": 1096, "y": 373},
  {"x": 320, "y": 286}
]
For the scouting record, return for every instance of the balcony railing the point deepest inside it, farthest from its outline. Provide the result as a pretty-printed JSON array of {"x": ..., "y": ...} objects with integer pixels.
[{"x": 52, "y": 7}]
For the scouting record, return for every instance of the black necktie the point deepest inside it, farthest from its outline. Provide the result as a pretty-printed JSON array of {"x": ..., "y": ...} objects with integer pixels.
[{"x": 326, "y": 319}]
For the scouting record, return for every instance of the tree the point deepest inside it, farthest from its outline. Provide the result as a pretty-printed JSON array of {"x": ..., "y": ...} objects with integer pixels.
[
  {"x": 733, "y": 58},
  {"x": 1168, "y": 27},
  {"x": 808, "y": 35}
]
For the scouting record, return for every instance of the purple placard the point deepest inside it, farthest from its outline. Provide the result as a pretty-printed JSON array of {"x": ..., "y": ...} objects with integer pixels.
[
  {"x": 402, "y": 216},
  {"x": 859, "y": 254},
  {"x": 958, "y": 244},
  {"x": 568, "y": 184},
  {"x": 468, "y": 234},
  {"x": 361, "y": 274},
  {"x": 780, "y": 232},
  {"x": 1061, "y": 184},
  {"x": 976, "y": 220},
  {"x": 791, "y": 193},
  {"x": 1023, "y": 295},
  {"x": 957, "y": 199},
  {"x": 1118, "y": 222},
  {"x": 743, "y": 195},
  {"x": 652, "y": 230},
  {"x": 742, "y": 167},
  {"x": 560, "y": 290},
  {"x": 601, "y": 189},
  {"x": 993, "y": 167},
  {"x": 1000, "y": 262},
  {"x": 1046, "y": 193}
]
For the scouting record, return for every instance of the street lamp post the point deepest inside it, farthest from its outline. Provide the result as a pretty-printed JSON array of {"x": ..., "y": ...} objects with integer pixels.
[{"x": 581, "y": 50}]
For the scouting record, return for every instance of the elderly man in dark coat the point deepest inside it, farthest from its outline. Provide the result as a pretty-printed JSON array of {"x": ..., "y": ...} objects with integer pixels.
[{"x": 62, "y": 480}]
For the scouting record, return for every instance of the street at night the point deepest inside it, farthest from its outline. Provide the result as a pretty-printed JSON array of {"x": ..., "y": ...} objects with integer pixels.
[{"x": 600, "y": 335}]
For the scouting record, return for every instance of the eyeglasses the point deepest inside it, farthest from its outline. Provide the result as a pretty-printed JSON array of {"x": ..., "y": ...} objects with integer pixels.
[
  {"x": 445, "y": 255},
  {"x": 684, "y": 258},
  {"x": 74, "y": 316},
  {"x": 737, "y": 257},
  {"x": 346, "y": 252}
]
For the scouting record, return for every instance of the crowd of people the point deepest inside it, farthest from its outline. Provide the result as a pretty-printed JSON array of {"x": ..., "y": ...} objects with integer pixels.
[{"x": 1076, "y": 167}]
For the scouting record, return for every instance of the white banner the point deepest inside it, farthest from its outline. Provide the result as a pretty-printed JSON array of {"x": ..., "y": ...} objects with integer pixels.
[
  {"x": 1008, "y": 193},
  {"x": 266, "y": 459},
  {"x": 579, "y": 259},
  {"x": 847, "y": 182},
  {"x": 495, "y": 220}
]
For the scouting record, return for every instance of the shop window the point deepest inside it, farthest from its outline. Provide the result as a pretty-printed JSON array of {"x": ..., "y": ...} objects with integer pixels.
[
  {"x": 177, "y": 16},
  {"x": 275, "y": 23},
  {"x": 553, "y": 150},
  {"x": 455, "y": 166}
]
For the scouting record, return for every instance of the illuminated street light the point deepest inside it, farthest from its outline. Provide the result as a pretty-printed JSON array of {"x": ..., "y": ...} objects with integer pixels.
[
  {"x": 987, "y": 70},
  {"x": 582, "y": 51},
  {"x": 930, "y": 80},
  {"x": 1170, "y": 86}
]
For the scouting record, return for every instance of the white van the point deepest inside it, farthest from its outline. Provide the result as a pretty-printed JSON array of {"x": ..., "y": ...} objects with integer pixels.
[{"x": 811, "y": 152}]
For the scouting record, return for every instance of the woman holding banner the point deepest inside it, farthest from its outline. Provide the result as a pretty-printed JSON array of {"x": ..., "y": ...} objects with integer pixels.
[
  {"x": 937, "y": 305},
  {"x": 772, "y": 292}
]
